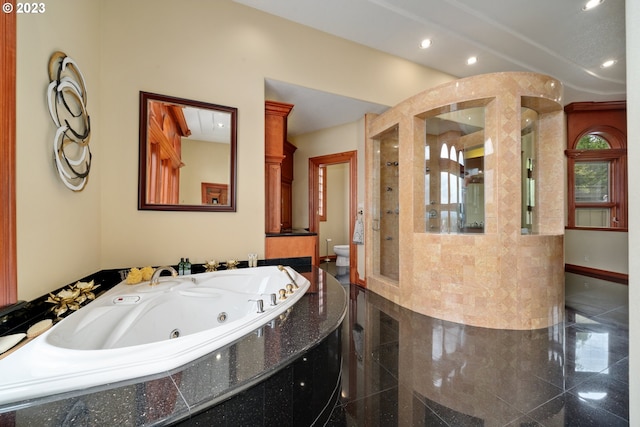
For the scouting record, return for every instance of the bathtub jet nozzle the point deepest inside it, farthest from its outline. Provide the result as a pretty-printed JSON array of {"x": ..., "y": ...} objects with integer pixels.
[{"x": 281, "y": 268}]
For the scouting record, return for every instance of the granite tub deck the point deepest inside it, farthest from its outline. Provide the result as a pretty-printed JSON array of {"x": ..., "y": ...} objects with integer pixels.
[{"x": 296, "y": 355}]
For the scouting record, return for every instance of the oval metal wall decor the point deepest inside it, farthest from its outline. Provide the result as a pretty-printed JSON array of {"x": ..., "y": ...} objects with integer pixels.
[{"x": 67, "y": 102}]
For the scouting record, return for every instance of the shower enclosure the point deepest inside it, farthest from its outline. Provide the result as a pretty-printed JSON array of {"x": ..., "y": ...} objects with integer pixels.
[
  {"x": 466, "y": 202},
  {"x": 387, "y": 212}
]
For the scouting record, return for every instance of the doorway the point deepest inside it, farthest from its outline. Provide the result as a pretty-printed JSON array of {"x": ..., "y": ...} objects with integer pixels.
[{"x": 315, "y": 200}]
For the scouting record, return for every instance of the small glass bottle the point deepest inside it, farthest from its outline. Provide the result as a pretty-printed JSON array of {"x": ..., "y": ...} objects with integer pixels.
[
  {"x": 187, "y": 267},
  {"x": 181, "y": 267}
]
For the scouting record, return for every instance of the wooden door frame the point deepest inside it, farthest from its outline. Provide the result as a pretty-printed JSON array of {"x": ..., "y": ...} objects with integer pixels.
[{"x": 350, "y": 157}]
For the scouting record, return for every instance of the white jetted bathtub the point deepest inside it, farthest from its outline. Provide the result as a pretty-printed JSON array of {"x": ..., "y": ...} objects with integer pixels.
[{"x": 135, "y": 330}]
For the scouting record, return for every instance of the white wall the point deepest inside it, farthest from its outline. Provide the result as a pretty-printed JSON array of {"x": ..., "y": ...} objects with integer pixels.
[
  {"x": 217, "y": 52},
  {"x": 633, "y": 153}
]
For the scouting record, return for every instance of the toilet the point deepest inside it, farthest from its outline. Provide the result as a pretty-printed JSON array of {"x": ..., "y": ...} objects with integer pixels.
[{"x": 342, "y": 252}]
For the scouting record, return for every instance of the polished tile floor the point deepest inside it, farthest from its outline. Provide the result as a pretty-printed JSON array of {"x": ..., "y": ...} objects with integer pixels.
[{"x": 405, "y": 369}]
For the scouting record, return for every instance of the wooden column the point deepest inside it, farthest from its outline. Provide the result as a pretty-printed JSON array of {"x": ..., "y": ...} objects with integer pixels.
[
  {"x": 8, "y": 271},
  {"x": 276, "y": 114}
]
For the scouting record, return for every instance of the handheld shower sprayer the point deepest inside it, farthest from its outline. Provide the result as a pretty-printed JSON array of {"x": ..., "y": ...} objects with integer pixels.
[{"x": 281, "y": 268}]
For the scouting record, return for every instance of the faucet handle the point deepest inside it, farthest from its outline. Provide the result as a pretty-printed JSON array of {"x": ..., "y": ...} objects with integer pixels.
[
  {"x": 273, "y": 299},
  {"x": 283, "y": 295},
  {"x": 289, "y": 288}
]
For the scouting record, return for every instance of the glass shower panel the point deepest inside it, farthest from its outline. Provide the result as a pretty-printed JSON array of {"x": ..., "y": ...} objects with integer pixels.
[
  {"x": 454, "y": 180},
  {"x": 528, "y": 136},
  {"x": 386, "y": 220}
]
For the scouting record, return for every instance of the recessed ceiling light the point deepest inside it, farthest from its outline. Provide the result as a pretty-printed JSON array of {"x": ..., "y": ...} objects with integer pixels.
[
  {"x": 608, "y": 63},
  {"x": 472, "y": 60},
  {"x": 591, "y": 4},
  {"x": 426, "y": 43}
]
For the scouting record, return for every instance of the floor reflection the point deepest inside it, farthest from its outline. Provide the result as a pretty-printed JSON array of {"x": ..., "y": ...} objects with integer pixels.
[{"x": 401, "y": 368}]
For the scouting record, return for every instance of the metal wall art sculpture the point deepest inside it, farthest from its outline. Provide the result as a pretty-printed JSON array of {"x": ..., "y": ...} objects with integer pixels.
[{"x": 67, "y": 101}]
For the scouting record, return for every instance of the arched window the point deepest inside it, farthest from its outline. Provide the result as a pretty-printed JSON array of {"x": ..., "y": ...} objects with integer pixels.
[
  {"x": 597, "y": 179},
  {"x": 444, "y": 151}
]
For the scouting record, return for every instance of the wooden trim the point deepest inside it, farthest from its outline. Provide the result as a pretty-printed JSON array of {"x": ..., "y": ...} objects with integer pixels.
[
  {"x": 8, "y": 257},
  {"x": 350, "y": 157},
  {"x": 595, "y": 155},
  {"x": 595, "y": 106},
  {"x": 610, "y": 276},
  {"x": 322, "y": 213},
  {"x": 210, "y": 190},
  {"x": 624, "y": 230},
  {"x": 281, "y": 109},
  {"x": 609, "y": 121},
  {"x": 151, "y": 158}
]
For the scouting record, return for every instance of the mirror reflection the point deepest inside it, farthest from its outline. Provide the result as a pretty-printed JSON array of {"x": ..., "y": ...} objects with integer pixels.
[{"x": 187, "y": 155}]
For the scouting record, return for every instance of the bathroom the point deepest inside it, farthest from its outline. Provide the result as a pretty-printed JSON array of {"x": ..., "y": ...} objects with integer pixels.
[
  {"x": 334, "y": 199},
  {"x": 334, "y": 230},
  {"x": 100, "y": 227}
]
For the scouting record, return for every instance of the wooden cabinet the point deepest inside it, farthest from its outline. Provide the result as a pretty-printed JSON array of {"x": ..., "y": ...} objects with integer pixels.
[
  {"x": 274, "y": 141},
  {"x": 287, "y": 163},
  {"x": 278, "y": 168},
  {"x": 286, "y": 186},
  {"x": 281, "y": 241},
  {"x": 292, "y": 246}
]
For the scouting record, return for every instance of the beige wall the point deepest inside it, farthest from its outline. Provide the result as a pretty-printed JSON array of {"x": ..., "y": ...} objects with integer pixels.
[
  {"x": 59, "y": 234},
  {"x": 336, "y": 227},
  {"x": 216, "y": 52},
  {"x": 333, "y": 140},
  {"x": 602, "y": 250},
  {"x": 205, "y": 161},
  {"x": 338, "y": 139}
]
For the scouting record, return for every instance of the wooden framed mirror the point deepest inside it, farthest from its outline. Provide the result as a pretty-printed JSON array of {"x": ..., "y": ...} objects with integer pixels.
[{"x": 185, "y": 148}]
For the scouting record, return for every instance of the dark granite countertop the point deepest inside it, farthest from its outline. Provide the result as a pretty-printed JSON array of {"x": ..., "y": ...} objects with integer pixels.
[
  {"x": 292, "y": 232},
  {"x": 174, "y": 395}
]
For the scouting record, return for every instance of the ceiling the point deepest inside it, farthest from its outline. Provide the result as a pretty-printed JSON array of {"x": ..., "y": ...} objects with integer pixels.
[
  {"x": 314, "y": 109},
  {"x": 554, "y": 37},
  {"x": 208, "y": 124}
]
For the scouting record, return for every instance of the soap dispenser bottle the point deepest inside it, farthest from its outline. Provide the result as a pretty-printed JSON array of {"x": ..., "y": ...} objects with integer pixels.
[
  {"x": 187, "y": 267},
  {"x": 181, "y": 267}
]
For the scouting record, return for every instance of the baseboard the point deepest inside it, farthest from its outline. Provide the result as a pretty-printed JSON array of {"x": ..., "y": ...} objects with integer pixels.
[{"x": 610, "y": 276}]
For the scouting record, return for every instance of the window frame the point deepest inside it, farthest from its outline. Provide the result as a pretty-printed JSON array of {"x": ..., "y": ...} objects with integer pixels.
[
  {"x": 322, "y": 193},
  {"x": 616, "y": 156}
]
